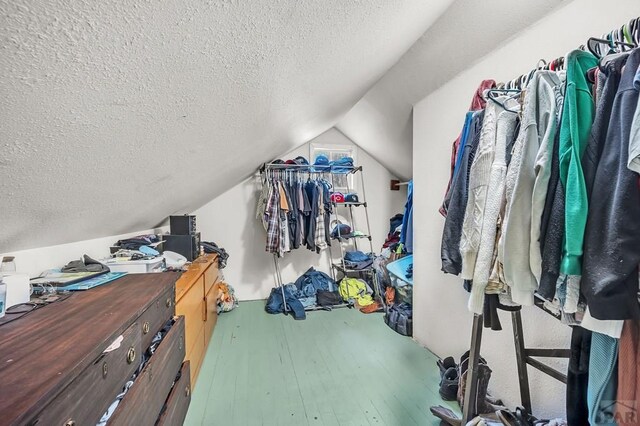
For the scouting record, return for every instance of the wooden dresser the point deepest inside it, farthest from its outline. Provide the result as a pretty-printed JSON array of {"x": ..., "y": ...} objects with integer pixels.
[
  {"x": 65, "y": 363},
  {"x": 196, "y": 300}
]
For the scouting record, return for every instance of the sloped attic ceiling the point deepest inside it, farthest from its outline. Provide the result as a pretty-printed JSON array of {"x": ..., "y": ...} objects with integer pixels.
[
  {"x": 116, "y": 114},
  {"x": 466, "y": 32}
]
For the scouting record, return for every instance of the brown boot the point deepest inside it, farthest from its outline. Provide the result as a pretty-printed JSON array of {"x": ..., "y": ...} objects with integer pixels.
[{"x": 480, "y": 406}]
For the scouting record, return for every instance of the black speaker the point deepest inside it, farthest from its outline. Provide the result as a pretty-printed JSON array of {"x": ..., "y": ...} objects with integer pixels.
[
  {"x": 182, "y": 225},
  {"x": 186, "y": 245}
]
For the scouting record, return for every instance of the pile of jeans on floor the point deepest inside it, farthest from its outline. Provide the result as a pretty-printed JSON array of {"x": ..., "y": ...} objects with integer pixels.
[{"x": 301, "y": 294}]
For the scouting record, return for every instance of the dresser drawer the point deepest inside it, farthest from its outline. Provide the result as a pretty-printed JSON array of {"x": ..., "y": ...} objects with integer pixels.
[
  {"x": 210, "y": 276},
  {"x": 156, "y": 316},
  {"x": 144, "y": 401},
  {"x": 175, "y": 409},
  {"x": 85, "y": 400}
]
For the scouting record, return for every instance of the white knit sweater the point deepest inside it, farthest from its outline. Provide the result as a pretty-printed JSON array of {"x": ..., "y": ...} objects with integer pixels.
[
  {"x": 478, "y": 184},
  {"x": 505, "y": 128}
]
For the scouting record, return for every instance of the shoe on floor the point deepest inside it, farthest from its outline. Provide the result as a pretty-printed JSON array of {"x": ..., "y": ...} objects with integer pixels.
[
  {"x": 446, "y": 415},
  {"x": 449, "y": 384},
  {"x": 445, "y": 364},
  {"x": 369, "y": 309}
]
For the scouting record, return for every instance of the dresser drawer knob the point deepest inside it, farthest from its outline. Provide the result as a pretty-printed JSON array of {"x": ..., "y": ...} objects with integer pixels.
[
  {"x": 187, "y": 391},
  {"x": 168, "y": 302},
  {"x": 131, "y": 355},
  {"x": 70, "y": 422},
  {"x": 145, "y": 327},
  {"x": 104, "y": 370}
]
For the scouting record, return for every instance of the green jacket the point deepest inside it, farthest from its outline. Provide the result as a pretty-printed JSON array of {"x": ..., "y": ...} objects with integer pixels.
[{"x": 577, "y": 118}]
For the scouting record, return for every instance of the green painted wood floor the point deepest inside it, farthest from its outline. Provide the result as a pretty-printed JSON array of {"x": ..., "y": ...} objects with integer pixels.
[{"x": 334, "y": 368}]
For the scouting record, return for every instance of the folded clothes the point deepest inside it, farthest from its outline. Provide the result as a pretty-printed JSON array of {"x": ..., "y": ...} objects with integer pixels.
[
  {"x": 356, "y": 256},
  {"x": 136, "y": 242},
  {"x": 358, "y": 265},
  {"x": 342, "y": 165}
]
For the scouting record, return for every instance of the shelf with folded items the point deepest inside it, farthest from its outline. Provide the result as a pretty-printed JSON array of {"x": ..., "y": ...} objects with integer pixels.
[
  {"x": 346, "y": 238},
  {"x": 346, "y": 270},
  {"x": 350, "y": 204}
]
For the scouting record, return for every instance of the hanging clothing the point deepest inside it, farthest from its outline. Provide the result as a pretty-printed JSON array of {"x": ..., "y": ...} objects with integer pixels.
[
  {"x": 612, "y": 243},
  {"x": 495, "y": 193},
  {"x": 603, "y": 379},
  {"x": 608, "y": 79},
  {"x": 552, "y": 221},
  {"x": 295, "y": 210},
  {"x": 478, "y": 185},
  {"x": 575, "y": 128},
  {"x": 450, "y": 247},
  {"x": 578, "y": 377},
  {"x": 634, "y": 138},
  {"x": 272, "y": 219},
  {"x": 478, "y": 102},
  {"x": 406, "y": 235},
  {"x": 526, "y": 182},
  {"x": 628, "y": 392}
]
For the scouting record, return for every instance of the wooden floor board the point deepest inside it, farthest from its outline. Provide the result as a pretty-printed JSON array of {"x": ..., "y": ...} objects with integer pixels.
[{"x": 334, "y": 368}]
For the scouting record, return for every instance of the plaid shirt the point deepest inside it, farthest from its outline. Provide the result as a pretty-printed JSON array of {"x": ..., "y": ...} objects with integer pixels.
[
  {"x": 320, "y": 240},
  {"x": 272, "y": 220}
]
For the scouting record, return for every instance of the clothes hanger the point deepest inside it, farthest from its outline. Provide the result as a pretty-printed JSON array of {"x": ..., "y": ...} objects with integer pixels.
[
  {"x": 635, "y": 31},
  {"x": 595, "y": 45},
  {"x": 493, "y": 93}
]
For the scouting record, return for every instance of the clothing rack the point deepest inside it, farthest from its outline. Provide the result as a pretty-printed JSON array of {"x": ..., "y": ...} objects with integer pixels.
[
  {"x": 282, "y": 169},
  {"x": 623, "y": 38},
  {"x": 269, "y": 169},
  {"x": 524, "y": 356}
]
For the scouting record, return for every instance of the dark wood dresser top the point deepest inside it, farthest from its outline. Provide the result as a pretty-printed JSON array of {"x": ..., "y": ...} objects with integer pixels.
[{"x": 43, "y": 351}]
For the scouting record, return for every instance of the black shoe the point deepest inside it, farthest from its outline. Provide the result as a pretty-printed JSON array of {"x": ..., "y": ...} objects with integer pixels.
[
  {"x": 445, "y": 364},
  {"x": 449, "y": 384}
]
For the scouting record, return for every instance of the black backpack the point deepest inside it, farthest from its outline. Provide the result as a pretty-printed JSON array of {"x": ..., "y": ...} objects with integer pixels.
[
  {"x": 328, "y": 298},
  {"x": 399, "y": 318}
]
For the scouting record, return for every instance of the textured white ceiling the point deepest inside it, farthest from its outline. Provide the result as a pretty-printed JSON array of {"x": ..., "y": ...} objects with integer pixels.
[
  {"x": 116, "y": 114},
  {"x": 466, "y": 32}
]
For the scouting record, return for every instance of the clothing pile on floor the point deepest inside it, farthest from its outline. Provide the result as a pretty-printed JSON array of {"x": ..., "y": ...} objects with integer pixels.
[
  {"x": 301, "y": 294},
  {"x": 317, "y": 290},
  {"x": 544, "y": 201},
  {"x": 453, "y": 380},
  {"x": 226, "y": 297}
]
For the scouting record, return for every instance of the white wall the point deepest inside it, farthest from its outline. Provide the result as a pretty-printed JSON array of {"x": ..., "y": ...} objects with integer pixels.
[
  {"x": 442, "y": 322},
  {"x": 230, "y": 221},
  {"x": 34, "y": 261}
]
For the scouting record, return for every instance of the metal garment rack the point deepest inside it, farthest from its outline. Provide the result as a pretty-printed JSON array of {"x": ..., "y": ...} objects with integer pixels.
[
  {"x": 340, "y": 266},
  {"x": 524, "y": 356},
  {"x": 323, "y": 171}
]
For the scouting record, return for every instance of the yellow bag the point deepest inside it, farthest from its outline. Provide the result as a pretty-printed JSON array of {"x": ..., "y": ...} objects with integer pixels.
[{"x": 354, "y": 288}]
